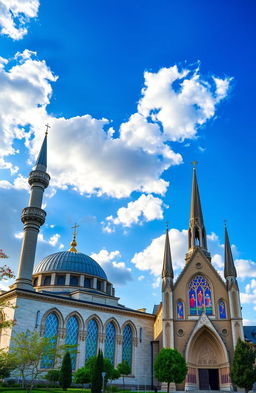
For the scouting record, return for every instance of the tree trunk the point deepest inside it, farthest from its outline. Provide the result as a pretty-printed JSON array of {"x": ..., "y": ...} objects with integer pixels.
[{"x": 168, "y": 387}]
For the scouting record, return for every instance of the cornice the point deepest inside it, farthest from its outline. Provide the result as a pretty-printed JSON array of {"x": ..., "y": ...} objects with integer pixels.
[{"x": 22, "y": 293}]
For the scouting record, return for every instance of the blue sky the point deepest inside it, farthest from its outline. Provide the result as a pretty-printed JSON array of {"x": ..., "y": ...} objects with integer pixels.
[{"x": 134, "y": 91}]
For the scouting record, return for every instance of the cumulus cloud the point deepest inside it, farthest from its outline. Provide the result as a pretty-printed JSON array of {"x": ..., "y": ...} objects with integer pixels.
[
  {"x": 117, "y": 272},
  {"x": 15, "y": 15},
  {"x": 85, "y": 153},
  {"x": 52, "y": 241},
  {"x": 145, "y": 208}
]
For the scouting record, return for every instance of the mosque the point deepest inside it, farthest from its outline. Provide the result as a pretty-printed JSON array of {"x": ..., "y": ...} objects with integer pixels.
[{"x": 68, "y": 296}]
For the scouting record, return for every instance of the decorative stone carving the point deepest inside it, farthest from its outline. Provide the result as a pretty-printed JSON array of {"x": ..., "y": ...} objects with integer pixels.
[
  {"x": 39, "y": 177},
  {"x": 33, "y": 214},
  {"x": 207, "y": 356}
]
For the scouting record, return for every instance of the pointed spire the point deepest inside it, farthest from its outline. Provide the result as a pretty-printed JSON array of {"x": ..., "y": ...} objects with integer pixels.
[
  {"x": 195, "y": 208},
  {"x": 167, "y": 262},
  {"x": 41, "y": 163},
  {"x": 229, "y": 266}
]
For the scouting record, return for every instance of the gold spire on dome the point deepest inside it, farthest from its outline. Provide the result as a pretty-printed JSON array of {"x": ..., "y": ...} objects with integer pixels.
[{"x": 74, "y": 243}]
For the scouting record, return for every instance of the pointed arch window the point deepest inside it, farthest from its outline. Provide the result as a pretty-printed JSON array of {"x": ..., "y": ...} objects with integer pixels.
[
  {"x": 180, "y": 309},
  {"x": 51, "y": 331},
  {"x": 222, "y": 309},
  {"x": 127, "y": 345},
  {"x": 110, "y": 342},
  {"x": 200, "y": 296},
  {"x": 91, "y": 339},
  {"x": 72, "y": 338}
]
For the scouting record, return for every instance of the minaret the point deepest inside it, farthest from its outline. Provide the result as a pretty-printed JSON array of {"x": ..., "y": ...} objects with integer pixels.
[
  {"x": 167, "y": 295},
  {"x": 233, "y": 292},
  {"x": 33, "y": 217},
  {"x": 196, "y": 231}
]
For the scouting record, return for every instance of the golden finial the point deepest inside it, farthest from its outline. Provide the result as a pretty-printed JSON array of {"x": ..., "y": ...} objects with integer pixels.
[
  {"x": 47, "y": 126},
  {"x": 194, "y": 163},
  {"x": 74, "y": 243}
]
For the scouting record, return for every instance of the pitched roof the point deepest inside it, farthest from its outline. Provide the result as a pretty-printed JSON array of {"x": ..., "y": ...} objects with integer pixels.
[{"x": 229, "y": 266}]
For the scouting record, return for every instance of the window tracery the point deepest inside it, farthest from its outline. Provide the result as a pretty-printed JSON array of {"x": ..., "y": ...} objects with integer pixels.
[
  {"x": 51, "y": 331},
  {"x": 72, "y": 337},
  {"x": 127, "y": 345},
  {"x": 110, "y": 342},
  {"x": 91, "y": 339},
  {"x": 200, "y": 296}
]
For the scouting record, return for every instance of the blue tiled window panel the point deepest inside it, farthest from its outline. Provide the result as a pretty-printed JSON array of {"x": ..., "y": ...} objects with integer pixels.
[
  {"x": 127, "y": 345},
  {"x": 110, "y": 342},
  {"x": 51, "y": 331},
  {"x": 71, "y": 338},
  {"x": 91, "y": 340}
]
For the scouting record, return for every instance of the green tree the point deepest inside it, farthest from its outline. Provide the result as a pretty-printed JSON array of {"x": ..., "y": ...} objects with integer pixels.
[
  {"x": 96, "y": 377},
  {"x": 124, "y": 369},
  {"x": 27, "y": 351},
  {"x": 5, "y": 274},
  {"x": 170, "y": 366},
  {"x": 108, "y": 368},
  {"x": 7, "y": 364},
  {"x": 66, "y": 372},
  {"x": 53, "y": 376},
  {"x": 243, "y": 372},
  {"x": 82, "y": 375}
]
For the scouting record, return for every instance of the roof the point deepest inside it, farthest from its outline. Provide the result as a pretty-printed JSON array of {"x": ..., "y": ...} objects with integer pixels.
[
  {"x": 68, "y": 261},
  {"x": 250, "y": 334}
]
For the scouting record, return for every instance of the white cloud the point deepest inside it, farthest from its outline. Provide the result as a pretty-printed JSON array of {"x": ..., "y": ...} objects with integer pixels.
[
  {"x": 181, "y": 100},
  {"x": 53, "y": 241},
  {"x": 117, "y": 272},
  {"x": 15, "y": 15},
  {"x": 151, "y": 258},
  {"x": 245, "y": 268},
  {"x": 145, "y": 208},
  {"x": 140, "y": 278},
  {"x": 19, "y": 183},
  {"x": 134, "y": 160}
]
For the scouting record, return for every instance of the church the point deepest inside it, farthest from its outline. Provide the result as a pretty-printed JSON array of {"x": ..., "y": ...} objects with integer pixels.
[{"x": 68, "y": 296}]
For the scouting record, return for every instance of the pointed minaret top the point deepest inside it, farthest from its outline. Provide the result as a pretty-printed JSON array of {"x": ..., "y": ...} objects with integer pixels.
[
  {"x": 229, "y": 266},
  {"x": 167, "y": 262},
  {"x": 195, "y": 208},
  {"x": 41, "y": 163}
]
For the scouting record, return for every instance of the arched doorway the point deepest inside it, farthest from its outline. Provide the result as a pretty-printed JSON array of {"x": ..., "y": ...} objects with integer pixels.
[{"x": 207, "y": 360}]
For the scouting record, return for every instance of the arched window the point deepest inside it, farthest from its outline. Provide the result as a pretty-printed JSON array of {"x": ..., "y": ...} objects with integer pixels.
[
  {"x": 47, "y": 280},
  {"x": 74, "y": 281},
  {"x": 180, "y": 310},
  {"x": 87, "y": 282},
  {"x": 91, "y": 339},
  {"x": 200, "y": 297},
  {"x": 51, "y": 331},
  {"x": 110, "y": 342},
  {"x": 222, "y": 309},
  {"x": 71, "y": 338},
  {"x": 127, "y": 345}
]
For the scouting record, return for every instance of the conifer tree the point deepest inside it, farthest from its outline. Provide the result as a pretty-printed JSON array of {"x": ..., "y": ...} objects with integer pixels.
[
  {"x": 66, "y": 372},
  {"x": 243, "y": 372},
  {"x": 97, "y": 374}
]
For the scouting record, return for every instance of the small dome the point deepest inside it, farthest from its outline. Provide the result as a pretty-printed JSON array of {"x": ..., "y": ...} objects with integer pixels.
[{"x": 68, "y": 261}]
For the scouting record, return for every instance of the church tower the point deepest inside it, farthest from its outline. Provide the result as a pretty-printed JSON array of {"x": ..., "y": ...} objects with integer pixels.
[
  {"x": 196, "y": 231},
  {"x": 167, "y": 295},
  {"x": 233, "y": 292},
  {"x": 33, "y": 217}
]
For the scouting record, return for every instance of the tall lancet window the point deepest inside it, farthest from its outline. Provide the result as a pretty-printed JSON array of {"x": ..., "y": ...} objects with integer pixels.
[
  {"x": 127, "y": 345},
  {"x": 110, "y": 342},
  {"x": 91, "y": 339},
  {"x": 51, "y": 331},
  {"x": 72, "y": 337},
  {"x": 200, "y": 297}
]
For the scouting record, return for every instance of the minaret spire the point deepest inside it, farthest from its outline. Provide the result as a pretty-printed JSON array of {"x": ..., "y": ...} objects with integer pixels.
[
  {"x": 229, "y": 266},
  {"x": 167, "y": 262},
  {"x": 196, "y": 232},
  {"x": 33, "y": 217}
]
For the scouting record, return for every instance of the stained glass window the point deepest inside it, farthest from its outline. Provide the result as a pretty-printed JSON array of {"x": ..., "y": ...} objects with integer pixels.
[
  {"x": 200, "y": 297},
  {"x": 180, "y": 310},
  {"x": 127, "y": 345},
  {"x": 71, "y": 338},
  {"x": 110, "y": 341},
  {"x": 222, "y": 310},
  {"x": 51, "y": 331},
  {"x": 91, "y": 339}
]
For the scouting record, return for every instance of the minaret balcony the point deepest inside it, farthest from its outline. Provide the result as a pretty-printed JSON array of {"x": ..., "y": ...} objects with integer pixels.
[
  {"x": 33, "y": 214},
  {"x": 39, "y": 177}
]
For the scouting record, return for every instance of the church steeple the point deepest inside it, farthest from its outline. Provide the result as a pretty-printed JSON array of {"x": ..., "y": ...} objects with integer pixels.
[
  {"x": 167, "y": 262},
  {"x": 196, "y": 231},
  {"x": 229, "y": 266},
  {"x": 33, "y": 217}
]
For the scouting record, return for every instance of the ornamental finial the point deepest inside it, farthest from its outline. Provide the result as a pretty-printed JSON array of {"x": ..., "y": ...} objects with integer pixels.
[
  {"x": 194, "y": 163},
  {"x": 47, "y": 126},
  {"x": 74, "y": 243}
]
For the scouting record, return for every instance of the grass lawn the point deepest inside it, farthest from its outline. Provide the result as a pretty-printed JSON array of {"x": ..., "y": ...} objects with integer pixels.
[{"x": 43, "y": 390}]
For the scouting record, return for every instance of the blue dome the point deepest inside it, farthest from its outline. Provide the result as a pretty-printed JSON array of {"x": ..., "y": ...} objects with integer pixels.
[{"x": 68, "y": 261}]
